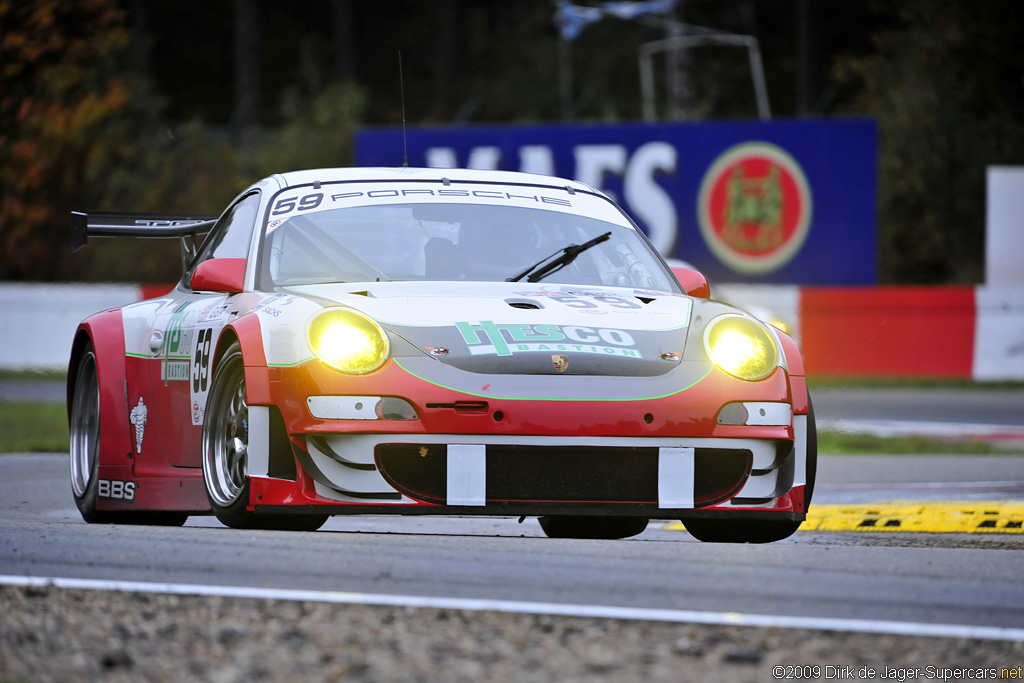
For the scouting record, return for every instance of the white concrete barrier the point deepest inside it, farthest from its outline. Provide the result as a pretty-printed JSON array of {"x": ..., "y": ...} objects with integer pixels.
[
  {"x": 39, "y": 320},
  {"x": 999, "y": 333}
]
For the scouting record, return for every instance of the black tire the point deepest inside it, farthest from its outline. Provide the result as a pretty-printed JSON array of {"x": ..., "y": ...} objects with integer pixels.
[
  {"x": 571, "y": 526},
  {"x": 290, "y": 522},
  {"x": 155, "y": 518},
  {"x": 225, "y": 453},
  {"x": 812, "y": 454},
  {"x": 761, "y": 531},
  {"x": 746, "y": 531},
  {"x": 84, "y": 427}
]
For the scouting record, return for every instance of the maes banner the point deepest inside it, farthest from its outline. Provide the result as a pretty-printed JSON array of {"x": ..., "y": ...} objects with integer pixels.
[{"x": 779, "y": 202}]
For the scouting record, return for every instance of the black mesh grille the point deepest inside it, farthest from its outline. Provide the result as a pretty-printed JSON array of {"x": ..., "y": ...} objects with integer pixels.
[{"x": 576, "y": 475}]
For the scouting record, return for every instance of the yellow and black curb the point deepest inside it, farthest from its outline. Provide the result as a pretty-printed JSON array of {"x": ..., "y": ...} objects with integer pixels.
[{"x": 937, "y": 517}]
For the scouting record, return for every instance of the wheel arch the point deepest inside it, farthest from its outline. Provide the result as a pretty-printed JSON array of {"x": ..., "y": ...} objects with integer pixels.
[
  {"x": 795, "y": 370},
  {"x": 106, "y": 333},
  {"x": 247, "y": 331}
]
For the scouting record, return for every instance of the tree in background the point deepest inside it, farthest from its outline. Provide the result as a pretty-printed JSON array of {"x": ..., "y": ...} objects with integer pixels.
[
  {"x": 64, "y": 94},
  {"x": 81, "y": 128},
  {"x": 944, "y": 82}
]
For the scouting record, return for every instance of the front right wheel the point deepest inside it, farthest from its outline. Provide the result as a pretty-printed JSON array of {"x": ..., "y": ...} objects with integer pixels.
[
  {"x": 226, "y": 453},
  {"x": 761, "y": 530}
]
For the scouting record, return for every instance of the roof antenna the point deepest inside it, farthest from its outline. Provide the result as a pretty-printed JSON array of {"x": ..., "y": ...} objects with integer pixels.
[{"x": 401, "y": 85}]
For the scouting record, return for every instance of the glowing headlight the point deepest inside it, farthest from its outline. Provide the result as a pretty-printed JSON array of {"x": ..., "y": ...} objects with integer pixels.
[
  {"x": 741, "y": 347},
  {"x": 348, "y": 341}
]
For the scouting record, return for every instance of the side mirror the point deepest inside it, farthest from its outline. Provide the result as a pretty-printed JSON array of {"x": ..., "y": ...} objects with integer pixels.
[
  {"x": 693, "y": 282},
  {"x": 225, "y": 275}
]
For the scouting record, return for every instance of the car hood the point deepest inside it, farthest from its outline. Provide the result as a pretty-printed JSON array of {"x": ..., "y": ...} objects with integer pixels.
[{"x": 523, "y": 328}]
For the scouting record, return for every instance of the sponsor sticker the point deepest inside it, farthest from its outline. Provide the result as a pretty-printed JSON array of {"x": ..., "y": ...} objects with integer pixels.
[
  {"x": 113, "y": 489},
  {"x": 754, "y": 207},
  {"x": 212, "y": 313},
  {"x": 488, "y": 338},
  {"x": 174, "y": 370},
  {"x": 295, "y": 201},
  {"x": 178, "y": 336},
  {"x": 138, "y": 419}
]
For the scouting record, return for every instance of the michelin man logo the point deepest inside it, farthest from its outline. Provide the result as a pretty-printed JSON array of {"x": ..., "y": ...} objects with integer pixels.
[{"x": 138, "y": 418}]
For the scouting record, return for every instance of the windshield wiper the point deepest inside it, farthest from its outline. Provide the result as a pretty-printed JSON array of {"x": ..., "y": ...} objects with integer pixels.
[{"x": 562, "y": 258}]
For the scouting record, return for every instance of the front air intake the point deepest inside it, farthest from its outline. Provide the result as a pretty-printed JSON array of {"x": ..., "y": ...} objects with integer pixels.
[{"x": 556, "y": 475}]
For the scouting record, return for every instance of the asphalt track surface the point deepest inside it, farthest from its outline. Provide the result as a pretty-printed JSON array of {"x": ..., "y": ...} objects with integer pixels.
[{"x": 929, "y": 579}]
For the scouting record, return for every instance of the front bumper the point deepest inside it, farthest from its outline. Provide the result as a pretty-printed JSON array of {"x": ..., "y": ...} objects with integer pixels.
[{"x": 663, "y": 458}]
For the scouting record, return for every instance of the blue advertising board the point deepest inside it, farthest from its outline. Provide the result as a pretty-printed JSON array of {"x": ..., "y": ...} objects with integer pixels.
[{"x": 769, "y": 202}]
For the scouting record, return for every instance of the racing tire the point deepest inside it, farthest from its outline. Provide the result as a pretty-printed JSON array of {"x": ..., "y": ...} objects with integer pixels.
[
  {"x": 812, "y": 454},
  {"x": 571, "y": 526},
  {"x": 747, "y": 531},
  {"x": 84, "y": 429},
  {"x": 761, "y": 531},
  {"x": 225, "y": 446}
]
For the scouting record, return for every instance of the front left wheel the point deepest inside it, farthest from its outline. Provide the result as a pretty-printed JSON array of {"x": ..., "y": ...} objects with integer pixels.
[
  {"x": 573, "y": 526},
  {"x": 226, "y": 452}
]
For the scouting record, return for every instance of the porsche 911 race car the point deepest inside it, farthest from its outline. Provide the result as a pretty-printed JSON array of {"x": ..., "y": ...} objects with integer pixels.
[{"x": 444, "y": 342}]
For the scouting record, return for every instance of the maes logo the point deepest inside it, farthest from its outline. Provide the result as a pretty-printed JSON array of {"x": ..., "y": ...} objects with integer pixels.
[{"x": 754, "y": 207}]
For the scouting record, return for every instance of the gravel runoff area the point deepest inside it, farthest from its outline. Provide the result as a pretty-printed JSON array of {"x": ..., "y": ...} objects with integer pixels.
[{"x": 54, "y": 634}]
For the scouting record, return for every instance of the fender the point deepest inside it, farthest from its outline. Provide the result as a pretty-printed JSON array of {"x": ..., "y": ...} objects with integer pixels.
[
  {"x": 797, "y": 380},
  {"x": 106, "y": 332},
  {"x": 264, "y": 420},
  {"x": 249, "y": 334}
]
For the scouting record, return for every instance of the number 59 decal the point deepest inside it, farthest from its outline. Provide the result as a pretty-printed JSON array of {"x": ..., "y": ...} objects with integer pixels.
[
  {"x": 288, "y": 204},
  {"x": 201, "y": 362}
]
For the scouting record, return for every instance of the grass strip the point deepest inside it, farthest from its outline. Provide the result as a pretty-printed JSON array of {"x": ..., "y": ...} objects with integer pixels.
[
  {"x": 850, "y": 382},
  {"x": 846, "y": 443},
  {"x": 33, "y": 427},
  {"x": 53, "y": 375}
]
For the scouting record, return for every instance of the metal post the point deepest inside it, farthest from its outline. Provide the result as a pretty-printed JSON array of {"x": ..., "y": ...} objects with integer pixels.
[
  {"x": 647, "y": 50},
  {"x": 647, "y": 85},
  {"x": 760, "y": 88},
  {"x": 565, "y": 77}
]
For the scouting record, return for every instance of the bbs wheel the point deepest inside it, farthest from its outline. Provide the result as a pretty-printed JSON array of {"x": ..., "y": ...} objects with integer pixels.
[
  {"x": 226, "y": 453},
  {"x": 569, "y": 526},
  {"x": 226, "y": 442},
  {"x": 84, "y": 427}
]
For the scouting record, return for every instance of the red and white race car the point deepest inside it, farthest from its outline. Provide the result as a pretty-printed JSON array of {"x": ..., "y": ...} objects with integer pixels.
[{"x": 425, "y": 341}]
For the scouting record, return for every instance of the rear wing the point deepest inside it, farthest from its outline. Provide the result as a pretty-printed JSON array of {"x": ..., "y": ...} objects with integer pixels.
[{"x": 183, "y": 226}]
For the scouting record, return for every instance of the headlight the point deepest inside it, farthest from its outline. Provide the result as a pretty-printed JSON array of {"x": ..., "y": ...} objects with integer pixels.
[
  {"x": 741, "y": 347},
  {"x": 348, "y": 341}
]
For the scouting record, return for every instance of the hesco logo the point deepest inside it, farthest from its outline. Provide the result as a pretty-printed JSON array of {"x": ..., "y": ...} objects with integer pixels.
[{"x": 754, "y": 207}]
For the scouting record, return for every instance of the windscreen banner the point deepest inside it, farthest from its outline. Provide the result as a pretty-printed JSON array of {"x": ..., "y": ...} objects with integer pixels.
[{"x": 759, "y": 202}]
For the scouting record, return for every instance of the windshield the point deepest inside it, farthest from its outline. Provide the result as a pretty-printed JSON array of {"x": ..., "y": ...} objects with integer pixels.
[{"x": 454, "y": 241}]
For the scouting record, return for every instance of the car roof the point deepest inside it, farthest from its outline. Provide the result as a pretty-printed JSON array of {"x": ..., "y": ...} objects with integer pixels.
[{"x": 324, "y": 175}]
